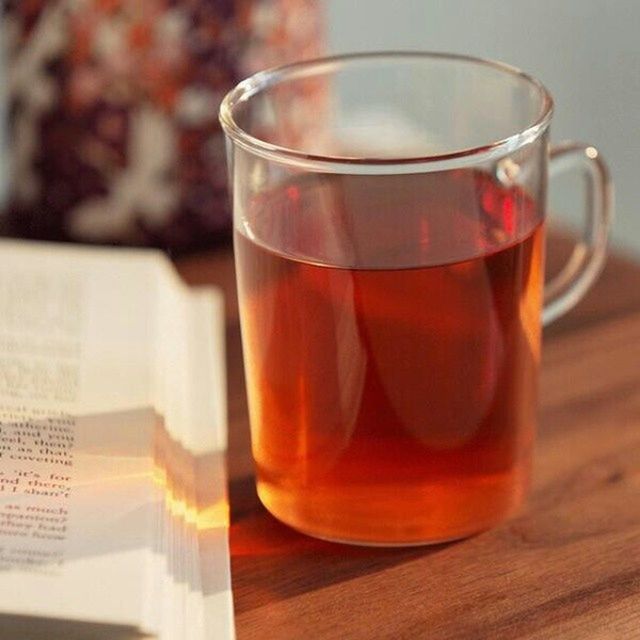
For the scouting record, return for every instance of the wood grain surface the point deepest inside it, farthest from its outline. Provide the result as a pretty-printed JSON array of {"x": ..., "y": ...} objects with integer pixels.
[{"x": 568, "y": 566}]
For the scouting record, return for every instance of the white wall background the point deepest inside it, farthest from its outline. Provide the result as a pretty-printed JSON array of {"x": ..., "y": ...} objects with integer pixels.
[{"x": 587, "y": 52}]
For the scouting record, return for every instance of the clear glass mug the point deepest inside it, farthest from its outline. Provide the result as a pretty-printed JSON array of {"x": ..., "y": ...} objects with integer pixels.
[{"x": 390, "y": 261}]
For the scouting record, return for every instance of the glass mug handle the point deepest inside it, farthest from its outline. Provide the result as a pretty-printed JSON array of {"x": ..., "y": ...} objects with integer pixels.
[{"x": 566, "y": 289}]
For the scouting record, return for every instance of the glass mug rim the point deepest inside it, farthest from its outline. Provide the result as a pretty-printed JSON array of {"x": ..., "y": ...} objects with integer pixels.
[{"x": 263, "y": 80}]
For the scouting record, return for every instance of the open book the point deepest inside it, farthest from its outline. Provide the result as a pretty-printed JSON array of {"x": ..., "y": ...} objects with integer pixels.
[{"x": 113, "y": 509}]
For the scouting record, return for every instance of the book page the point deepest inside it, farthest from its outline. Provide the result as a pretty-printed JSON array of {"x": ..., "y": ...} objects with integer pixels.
[
  {"x": 209, "y": 446},
  {"x": 197, "y": 429},
  {"x": 92, "y": 375},
  {"x": 76, "y": 428}
]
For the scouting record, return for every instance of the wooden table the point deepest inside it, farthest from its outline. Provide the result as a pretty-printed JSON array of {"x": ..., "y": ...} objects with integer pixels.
[{"x": 567, "y": 567}]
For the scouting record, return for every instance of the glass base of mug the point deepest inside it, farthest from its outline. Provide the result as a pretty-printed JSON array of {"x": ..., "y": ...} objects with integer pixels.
[
  {"x": 383, "y": 545},
  {"x": 448, "y": 514}
]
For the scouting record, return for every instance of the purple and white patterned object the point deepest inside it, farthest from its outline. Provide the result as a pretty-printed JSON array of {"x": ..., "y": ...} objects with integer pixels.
[{"x": 114, "y": 136}]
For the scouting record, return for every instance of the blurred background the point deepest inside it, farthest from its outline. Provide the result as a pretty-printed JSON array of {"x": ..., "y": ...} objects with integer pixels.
[
  {"x": 112, "y": 106},
  {"x": 587, "y": 53},
  {"x": 109, "y": 107}
]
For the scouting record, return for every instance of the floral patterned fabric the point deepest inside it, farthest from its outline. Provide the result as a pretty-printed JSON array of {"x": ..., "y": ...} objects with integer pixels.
[{"x": 113, "y": 111}]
